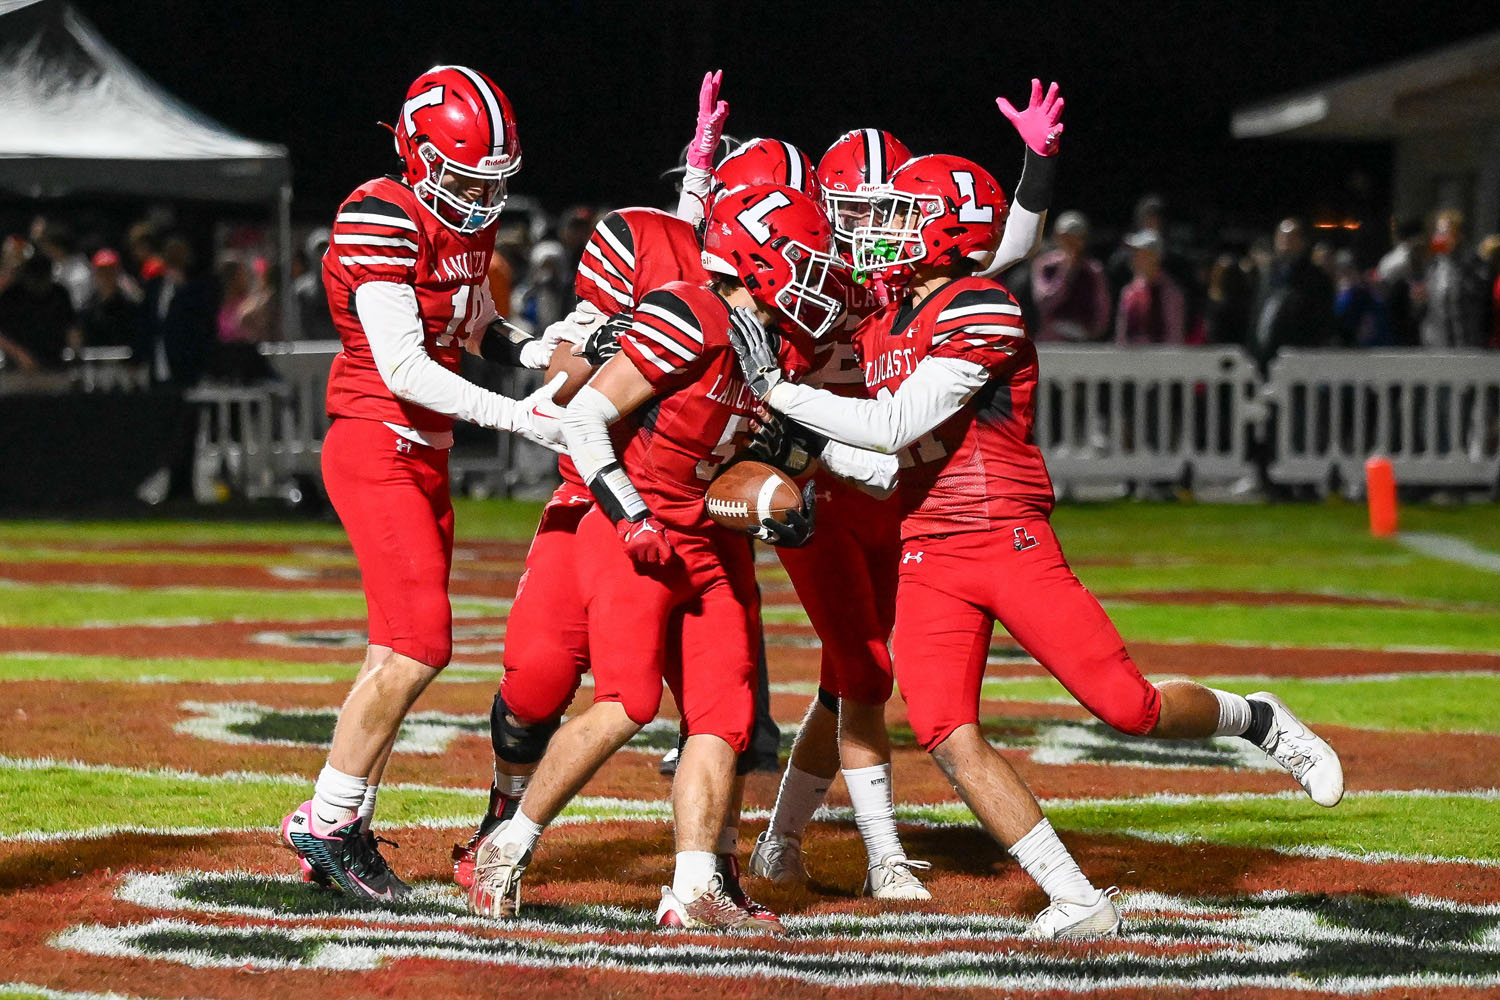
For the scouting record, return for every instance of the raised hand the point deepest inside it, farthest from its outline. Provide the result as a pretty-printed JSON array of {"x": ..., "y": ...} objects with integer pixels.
[
  {"x": 1040, "y": 124},
  {"x": 712, "y": 114}
]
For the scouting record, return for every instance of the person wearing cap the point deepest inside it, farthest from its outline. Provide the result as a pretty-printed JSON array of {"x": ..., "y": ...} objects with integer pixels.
[
  {"x": 111, "y": 316},
  {"x": 1071, "y": 293},
  {"x": 1152, "y": 309}
]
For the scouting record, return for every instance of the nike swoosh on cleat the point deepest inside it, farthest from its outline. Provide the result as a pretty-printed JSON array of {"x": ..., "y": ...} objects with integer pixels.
[{"x": 386, "y": 895}]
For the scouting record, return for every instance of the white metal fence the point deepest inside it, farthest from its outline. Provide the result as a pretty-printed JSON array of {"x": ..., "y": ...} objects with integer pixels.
[
  {"x": 1148, "y": 414},
  {"x": 1104, "y": 416},
  {"x": 1436, "y": 415}
]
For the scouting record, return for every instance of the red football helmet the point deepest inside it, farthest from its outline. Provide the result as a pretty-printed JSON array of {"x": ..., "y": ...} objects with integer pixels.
[
  {"x": 765, "y": 161},
  {"x": 861, "y": 157},
  {"x": 778, "y": 243},
  {"x": 457, "y": 123},
  {"x": 936, "y": 210}
]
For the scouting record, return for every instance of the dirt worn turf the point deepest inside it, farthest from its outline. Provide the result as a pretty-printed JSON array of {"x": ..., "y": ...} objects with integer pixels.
[{"x": 167, "y": 690}]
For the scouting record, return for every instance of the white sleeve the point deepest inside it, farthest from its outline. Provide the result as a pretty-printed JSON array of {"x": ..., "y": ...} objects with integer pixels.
[
  {"x": 696, "y": 183},
  {"x": 388, "y": 313},
  {"x": 1023, "y": 233},
  {"x": 870, "y": 470},
  {"x": 585, "y": 425},
  {"x": 934, "y": 392}
]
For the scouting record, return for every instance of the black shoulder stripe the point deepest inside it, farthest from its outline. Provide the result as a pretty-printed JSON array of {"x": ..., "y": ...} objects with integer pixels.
[
  {"x": 669, "y": 301},
  {"x": 615, "y": 223},
  {"x": 994, "y": 295},
  {"x": 371, "y": 205}
]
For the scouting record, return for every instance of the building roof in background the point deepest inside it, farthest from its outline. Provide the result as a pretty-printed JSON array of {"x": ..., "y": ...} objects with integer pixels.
[{"x": 1449, "y": 88}]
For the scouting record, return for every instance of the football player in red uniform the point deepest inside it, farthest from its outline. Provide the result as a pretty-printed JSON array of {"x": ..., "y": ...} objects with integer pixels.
[
  {"x": 406, "y": 279},
  {"x": 846, "y": 576},
  {"x": 954, "y": 378},
  {"x": 667, "y": 593}
]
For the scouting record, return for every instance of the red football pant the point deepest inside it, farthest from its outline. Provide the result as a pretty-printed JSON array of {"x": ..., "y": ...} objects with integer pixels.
[
  {"x": 953, "y": 589},
  {"x": 547, "y": 633},
  {"x": 392, "y": 496},
  {"x": 689, "y": 623},
  {"x": 845, "y": 578}
]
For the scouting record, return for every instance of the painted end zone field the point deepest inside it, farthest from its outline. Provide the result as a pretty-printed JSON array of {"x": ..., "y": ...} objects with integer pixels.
[{"x": 167, "y": 691}]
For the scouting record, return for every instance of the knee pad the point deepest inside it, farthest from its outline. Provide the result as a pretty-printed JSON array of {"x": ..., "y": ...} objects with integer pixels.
[{"x": 516, "y": 742}]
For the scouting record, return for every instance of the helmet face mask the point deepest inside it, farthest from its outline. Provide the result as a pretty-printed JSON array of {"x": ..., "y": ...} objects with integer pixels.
[
  {"x": 892, "y": 242},
  {"x": 853, "y": 172},
  {"x": 443, "y": 190},
  {"x": 805, "y": 299}
]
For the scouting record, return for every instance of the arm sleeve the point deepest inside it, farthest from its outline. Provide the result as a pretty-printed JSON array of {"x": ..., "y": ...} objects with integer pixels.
[
  {"x": 696, "y": 183},
  {"x": 975, "y": 335},
  {"x": 1028, "y": 213},
  {"x": 606, "y": 272},
  {"x": 934, "y": 392},
  {"x": 388, "y": 313},
  {"x": 871, "y": 471},
  {"x": 586, "y": 427}
]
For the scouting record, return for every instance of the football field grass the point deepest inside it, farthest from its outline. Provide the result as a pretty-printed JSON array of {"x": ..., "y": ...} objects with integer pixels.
[{"x": 167, "y": 689}]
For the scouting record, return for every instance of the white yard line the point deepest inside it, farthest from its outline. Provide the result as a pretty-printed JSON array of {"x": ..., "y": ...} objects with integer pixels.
[{"x": 1449, "y": 549}]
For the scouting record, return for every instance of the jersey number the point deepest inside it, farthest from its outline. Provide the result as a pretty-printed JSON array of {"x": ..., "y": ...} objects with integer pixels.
[
  {"x": 968, "y": 209},
  {"x": 753, "y": 218},
  {"x": 426, "y": 99},
  {"x": 736, "y": 435},
  {"x": 457, "y": 328}
]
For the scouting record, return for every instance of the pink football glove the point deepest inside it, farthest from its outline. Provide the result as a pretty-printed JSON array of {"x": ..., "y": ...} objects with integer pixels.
[
  {"x": 711, "y": 115},
  {"x": 1041, "y": 123},
  {"x": 645, "y": 541}
]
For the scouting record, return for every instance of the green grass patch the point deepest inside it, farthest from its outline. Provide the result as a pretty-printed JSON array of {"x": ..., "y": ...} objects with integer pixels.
[
  {"x": 170, "y": 556},
  {"x": 1419, "y": 703},
  {"x": 1314, "y": 625},
  {"x": 65, "y": 604},
  {"x": 67, "y": 667},
  {"x": 1439, "y": 826}
]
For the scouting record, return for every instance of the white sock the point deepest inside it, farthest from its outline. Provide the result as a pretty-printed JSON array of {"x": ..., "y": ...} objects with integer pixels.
[
  {"x": 800, "y": 795},
  {"x": 521, "y": 831},
  {"x": 336, "y": 799},
  {"x": 729, "y": 840},
  {"x": 694, "y": 869},
  {"x": 1234, "y": 713},
  {"x": 1048, "y": 862},
  {"x": 874, "y": 810},
  {"x": 367, "y": 807}
]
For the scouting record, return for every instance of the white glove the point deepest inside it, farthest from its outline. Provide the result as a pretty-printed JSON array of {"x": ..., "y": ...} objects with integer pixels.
[{"x": 538, "y": 419}]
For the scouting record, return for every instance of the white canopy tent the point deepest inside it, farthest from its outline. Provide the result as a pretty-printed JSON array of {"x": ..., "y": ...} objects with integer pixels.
[{"x": 80, "y": 119}]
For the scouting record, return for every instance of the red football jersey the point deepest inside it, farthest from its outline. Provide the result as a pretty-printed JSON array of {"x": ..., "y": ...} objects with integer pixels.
[
  {"x": 381, "y": 233},
  {"x": 673, "y": 446},
  {"x": 836, "y": 366},
  {"x": 982, "y": 465},
  {"x": 633, "y": 251}
]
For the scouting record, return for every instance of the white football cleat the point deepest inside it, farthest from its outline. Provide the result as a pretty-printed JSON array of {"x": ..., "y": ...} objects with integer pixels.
[
  {"x": 1302, "y": 752},
  {"x": 496, "y": 890},
  {"x": 894, "y": 878},
  {"x": 711, "y": 910},
  {"x": 1077, "y": 921},
  {"x": 779, "y": 860}
]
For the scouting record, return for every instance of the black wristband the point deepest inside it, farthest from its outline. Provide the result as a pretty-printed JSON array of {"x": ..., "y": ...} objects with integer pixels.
[
  {"x": 1034, "y": 192},
  {"x": 502, "y": 346}
]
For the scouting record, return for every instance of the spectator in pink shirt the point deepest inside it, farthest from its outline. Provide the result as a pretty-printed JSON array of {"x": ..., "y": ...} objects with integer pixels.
[
  {"x": 1069, "y": 287},
  {"x": 1152, "y": 307}
]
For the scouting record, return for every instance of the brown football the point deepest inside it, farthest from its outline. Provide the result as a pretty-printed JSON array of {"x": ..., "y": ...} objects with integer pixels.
[
  {"x": 746, "y": 492},
  {"x": 578, "y": 370}
]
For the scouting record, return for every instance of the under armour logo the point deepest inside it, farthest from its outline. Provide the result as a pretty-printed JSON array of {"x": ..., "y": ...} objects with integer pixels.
[
  {"x": 911, "y": 557},
  {"x": 1024, "y": 540},
  {"x": 403, "y": 445}
]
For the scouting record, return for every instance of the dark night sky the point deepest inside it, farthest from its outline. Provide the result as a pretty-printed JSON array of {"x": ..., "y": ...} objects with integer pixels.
[{"x": 605, "y": 92}]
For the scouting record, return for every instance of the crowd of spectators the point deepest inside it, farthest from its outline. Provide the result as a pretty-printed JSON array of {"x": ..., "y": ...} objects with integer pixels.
[
  {"x": 183, "y": 311},
  {"x": 1432, "y": 289}
]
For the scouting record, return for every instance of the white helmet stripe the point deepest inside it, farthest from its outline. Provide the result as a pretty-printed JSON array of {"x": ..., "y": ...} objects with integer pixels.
[
  {"x": 497, "y": 121},
  {"x": 874, "y": 157},
  {"x": 793, "y": 166}
]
